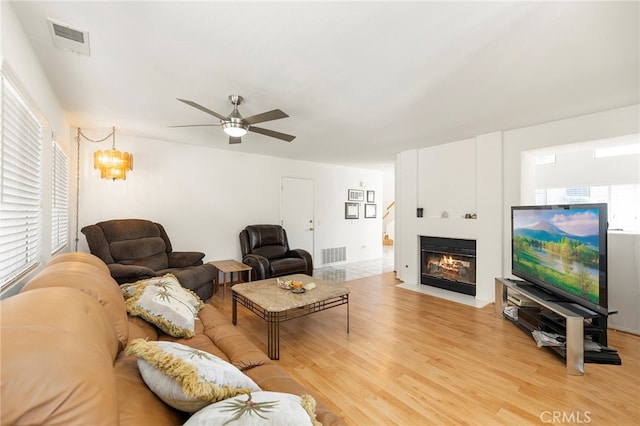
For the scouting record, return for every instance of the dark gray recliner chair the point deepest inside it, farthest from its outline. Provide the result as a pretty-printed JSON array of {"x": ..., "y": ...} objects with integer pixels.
[
  {"x": 136, "y": 249},
  {"x": 266, "y": 249}
]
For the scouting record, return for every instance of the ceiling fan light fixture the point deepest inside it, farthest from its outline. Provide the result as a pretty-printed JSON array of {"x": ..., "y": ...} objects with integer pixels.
[{"x": 234, "y": 128}]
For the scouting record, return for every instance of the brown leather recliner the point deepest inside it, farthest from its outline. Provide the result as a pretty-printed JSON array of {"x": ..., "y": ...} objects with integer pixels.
[
  {"x": 135, "y": 249},
  {"x": 266, "y": 249}
]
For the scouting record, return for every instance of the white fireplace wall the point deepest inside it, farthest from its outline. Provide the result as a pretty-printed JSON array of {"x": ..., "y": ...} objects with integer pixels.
[
  {"x": 430, "y": 178},
  {"x": 444, "y": 170}
]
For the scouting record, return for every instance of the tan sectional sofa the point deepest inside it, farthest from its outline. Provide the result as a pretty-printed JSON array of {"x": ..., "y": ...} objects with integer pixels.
[{"x": 63, "y": 359}]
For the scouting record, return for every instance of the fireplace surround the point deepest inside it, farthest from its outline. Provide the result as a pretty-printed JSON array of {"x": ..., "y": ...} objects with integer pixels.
[{"x": 448, "y": 263}]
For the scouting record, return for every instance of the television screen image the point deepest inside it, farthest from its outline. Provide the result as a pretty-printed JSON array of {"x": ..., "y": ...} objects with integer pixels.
[{"x": 563, "y": 249}]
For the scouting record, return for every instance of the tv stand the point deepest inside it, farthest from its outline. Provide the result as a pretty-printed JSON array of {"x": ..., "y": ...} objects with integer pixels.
[{"x": 561, "y": 317}]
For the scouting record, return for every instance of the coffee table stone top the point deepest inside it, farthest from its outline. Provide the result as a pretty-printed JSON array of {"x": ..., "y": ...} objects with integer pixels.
[{"x": 272, "y": 298}]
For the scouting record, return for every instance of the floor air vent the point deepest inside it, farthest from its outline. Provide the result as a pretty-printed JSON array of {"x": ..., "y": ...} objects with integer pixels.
[{"x": 333, "y": 255}]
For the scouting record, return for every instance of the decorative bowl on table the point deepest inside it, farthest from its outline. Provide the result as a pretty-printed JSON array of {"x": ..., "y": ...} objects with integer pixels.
[{"x": 284, "y": 284}]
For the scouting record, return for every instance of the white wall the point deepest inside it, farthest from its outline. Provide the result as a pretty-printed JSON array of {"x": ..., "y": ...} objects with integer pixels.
[
  {"x": 576, "y": 166},
  {"x": 15, "y": 51},
  {"x": 447, "y": 179},
  {"x": 21, "y": 65},
  {"x": 624, "y": 281},
  {"x": 204, "y": 197}
]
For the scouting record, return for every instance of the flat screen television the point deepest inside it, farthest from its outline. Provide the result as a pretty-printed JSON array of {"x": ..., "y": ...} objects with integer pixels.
[{"x": 563, "y": 250}]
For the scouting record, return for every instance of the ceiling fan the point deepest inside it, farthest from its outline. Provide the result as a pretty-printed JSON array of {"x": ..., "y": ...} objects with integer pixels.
[{"x": 236, "y": 126}]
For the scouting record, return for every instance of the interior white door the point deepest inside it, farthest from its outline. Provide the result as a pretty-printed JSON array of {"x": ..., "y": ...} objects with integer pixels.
[{"x": 296, "y": 212}]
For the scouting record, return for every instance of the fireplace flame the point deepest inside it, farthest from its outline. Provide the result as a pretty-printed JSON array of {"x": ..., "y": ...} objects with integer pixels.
[
  {"x": 449, "y": 263},
  {"x": 446, "y": 260},
  {"x": 448, "y": 269}
]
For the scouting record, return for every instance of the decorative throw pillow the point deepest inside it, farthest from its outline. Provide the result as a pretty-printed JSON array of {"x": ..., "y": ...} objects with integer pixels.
[
  {"x": 163, "y": 302},
  {"x": 259, "y": 408},
  {"x": 187, "y": 378}
]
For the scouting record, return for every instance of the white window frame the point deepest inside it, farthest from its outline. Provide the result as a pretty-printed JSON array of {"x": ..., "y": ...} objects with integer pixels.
[
  {"x": 59, "y": 199},
  {"x": 20, "y": 182}
]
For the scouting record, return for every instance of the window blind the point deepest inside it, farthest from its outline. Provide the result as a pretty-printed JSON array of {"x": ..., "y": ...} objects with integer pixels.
[
  {"x": 20, "y": 215},
  {"x": 59, "y": 199}
]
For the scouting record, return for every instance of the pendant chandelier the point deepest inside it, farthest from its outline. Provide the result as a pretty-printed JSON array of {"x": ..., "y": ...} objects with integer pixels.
[{"x": 113, "y": 164}]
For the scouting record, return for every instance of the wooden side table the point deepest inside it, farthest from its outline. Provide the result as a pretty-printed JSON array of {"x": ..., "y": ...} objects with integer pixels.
[{"x": 229, "y": 266}]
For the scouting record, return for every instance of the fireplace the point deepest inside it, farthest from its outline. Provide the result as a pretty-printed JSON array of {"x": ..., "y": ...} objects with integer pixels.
[{"x": 448, "y": 263}]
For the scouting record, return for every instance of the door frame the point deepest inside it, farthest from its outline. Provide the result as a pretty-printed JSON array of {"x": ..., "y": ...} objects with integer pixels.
[{"x": 310, "y": 208}]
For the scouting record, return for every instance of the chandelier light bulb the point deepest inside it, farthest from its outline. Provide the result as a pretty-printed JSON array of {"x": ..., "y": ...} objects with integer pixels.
[{"x": 113, "y": 164}]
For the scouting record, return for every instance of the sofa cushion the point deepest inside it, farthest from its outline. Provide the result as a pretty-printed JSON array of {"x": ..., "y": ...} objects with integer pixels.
[
  {"x": 92, "y": 280},
  {"x": 265, "y": 235},
  {"x": 130, "y": 273},
  {"x": 222, "y": 334},
  {"x": 163, "y": 302},
  {"x": 139, "y": 250},
  {"x": 140, "y": 329},
  {"x": 287, "y": 266},
  {"x": 79, "y": 256},
  {"x": 184, "y": 259},
  {"x": 187, "y": 378},
  {"x": 58, "y": 349},
  {"x": 270, "y": 252},
  {"x": 193, "y": 275},
  {"x": 137, "y": 404},
  {"x": 128, "y": 229},
  {"x": 259, "y": 409}
]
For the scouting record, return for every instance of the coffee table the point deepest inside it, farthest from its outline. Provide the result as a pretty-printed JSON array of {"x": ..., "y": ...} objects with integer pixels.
[{"x": 275, "y": 305}]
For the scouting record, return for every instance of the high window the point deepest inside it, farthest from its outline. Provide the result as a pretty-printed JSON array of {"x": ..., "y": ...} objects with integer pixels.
[
  {"x": 20, "y": 192},
  {"x": 598, "y": 171},
  {"x": 623, "y": 202}
]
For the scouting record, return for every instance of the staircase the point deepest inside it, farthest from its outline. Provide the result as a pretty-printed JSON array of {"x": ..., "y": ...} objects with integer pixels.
[{"x": 388, "y": 221}]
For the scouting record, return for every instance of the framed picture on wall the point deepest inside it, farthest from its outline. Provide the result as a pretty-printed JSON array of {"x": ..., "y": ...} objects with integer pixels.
[
  {"x": 371, "y": 196},
  {"x": 355, "y": 195},
  {"x": 369, "y": 211},
  {"x": 351, "y": 210}
]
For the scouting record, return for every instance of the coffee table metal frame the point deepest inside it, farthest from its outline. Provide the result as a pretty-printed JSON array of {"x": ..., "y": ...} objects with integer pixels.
[{"x": 298, "y": 305}]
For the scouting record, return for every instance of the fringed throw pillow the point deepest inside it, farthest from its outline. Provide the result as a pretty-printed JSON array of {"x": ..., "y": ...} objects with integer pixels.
[
  {"x": 259, "y": 409},
  {"x": 187, "y": 378},
  {"x": 162, "y": 301}
]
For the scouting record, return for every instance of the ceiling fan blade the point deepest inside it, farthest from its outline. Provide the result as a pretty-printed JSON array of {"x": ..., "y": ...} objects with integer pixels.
[
  {"x": 233, "y": 140},
  {"x": 196, "y": 125},
  {"x": 201, "y": 108},
  {"x": 275, "y": 114},
  {"x": 272, "y": 133}
]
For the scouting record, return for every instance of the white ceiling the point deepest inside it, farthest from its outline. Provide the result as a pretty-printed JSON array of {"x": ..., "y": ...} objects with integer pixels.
[{"x": 361, "y": 81}]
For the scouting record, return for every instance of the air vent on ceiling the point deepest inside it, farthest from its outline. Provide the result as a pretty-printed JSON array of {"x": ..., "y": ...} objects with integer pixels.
[{"x": 66, "y": 37}]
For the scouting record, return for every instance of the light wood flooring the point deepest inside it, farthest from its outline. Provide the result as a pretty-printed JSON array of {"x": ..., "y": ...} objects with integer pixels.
[{"x": 413, "y": 359}]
